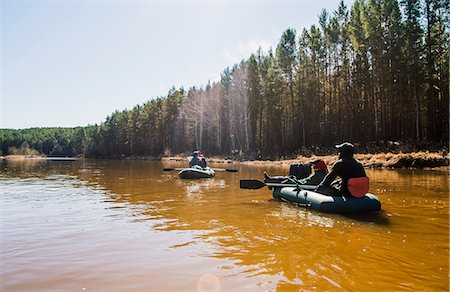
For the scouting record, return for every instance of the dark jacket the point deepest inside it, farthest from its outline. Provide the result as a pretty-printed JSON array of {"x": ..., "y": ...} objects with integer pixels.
[
  {"x": 202, "y": 162},
  {"x": 314, "y": 178},
  {"x": 194, "y": 160},
  {"x": 345, "y": 168}
]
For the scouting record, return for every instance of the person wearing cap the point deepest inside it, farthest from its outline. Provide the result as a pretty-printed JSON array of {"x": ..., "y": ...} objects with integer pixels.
[
  {"x": 319, "y": 172},
  {"x": 354, "y": 181},
  {"x": 201, "y": 160},
  {"x": 194, "y": 160}
]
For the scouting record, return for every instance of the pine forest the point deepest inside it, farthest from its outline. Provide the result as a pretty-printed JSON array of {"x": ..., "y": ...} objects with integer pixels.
[{"x": 374, "y": 72}]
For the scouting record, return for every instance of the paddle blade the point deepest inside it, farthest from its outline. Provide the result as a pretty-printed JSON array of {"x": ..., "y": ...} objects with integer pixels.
[
  {"x": 225, "y": 169},
  {"x": 251, "y": 184}
]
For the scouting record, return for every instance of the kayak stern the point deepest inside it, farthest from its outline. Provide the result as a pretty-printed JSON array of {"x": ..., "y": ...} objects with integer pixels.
[{"x": 328, "y": 204}]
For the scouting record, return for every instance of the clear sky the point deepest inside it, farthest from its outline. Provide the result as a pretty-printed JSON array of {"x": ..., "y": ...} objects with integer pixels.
[{"x": 72, "y": 63}]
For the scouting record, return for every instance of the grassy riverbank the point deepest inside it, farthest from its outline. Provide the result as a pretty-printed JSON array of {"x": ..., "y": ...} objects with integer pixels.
[
  {"x": 421, "y": 159},
  {"x": 21, "y": 157}
]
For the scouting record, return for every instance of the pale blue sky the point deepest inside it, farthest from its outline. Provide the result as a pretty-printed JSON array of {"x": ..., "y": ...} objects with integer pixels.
[{"x": 72, "y": 63}]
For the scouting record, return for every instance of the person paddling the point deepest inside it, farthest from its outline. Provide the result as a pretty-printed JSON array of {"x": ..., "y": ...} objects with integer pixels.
[
  {"x": 319, "y": 172},
  {"x": 202, "y": 160},
  {"x": 353, "y": 182},
  {"x": 198, "y": 159},
  {"x": 194, "y": 160}
]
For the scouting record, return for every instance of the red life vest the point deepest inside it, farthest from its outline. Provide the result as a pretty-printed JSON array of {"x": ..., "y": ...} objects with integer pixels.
[
  {"x": 320, "y": 165},
  {"x": 358, "y": 186}
]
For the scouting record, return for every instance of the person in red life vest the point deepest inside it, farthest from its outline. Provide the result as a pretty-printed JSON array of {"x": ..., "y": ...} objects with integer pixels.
[
  {"x": 319, "y": 172},
  {"x": 316, "y": 175},
  {"x": 353, "y": 182},
  {"x": 201, "y": 160},
  {"x": 197, "y": 158}
]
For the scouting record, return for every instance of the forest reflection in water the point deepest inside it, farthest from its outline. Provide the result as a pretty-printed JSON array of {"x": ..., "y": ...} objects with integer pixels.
[{"x": 165, "y": 233}]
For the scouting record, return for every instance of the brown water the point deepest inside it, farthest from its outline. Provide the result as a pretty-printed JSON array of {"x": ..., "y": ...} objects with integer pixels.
[{"x": 127, "y": 225}]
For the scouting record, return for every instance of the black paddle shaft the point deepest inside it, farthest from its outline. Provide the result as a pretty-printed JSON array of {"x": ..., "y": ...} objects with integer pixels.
[
  {"x": 251, "y": 184},
  {"x": 215, "y": 169}
]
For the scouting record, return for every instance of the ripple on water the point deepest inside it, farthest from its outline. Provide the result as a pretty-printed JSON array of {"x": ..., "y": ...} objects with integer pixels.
[{"x": 126, "y": 225}]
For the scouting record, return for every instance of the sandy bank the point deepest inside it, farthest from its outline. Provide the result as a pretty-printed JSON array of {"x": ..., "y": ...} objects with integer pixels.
[
  {"x": 422, "y": 159},
  {"x": 21, "y": 157},
  {"x": 36, "y": 158}
]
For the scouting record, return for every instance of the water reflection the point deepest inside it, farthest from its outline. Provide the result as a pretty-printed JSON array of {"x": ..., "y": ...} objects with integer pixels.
[
  {"x": 195, "y": 189},
  {"x": 274, "y": 244},
  {"x": 290, "y": 212}
]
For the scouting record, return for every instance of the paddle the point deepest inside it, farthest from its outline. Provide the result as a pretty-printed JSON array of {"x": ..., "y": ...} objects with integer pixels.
[
  {"x": 253, "y": 184},
  {"x": 215, "y": 169},
  {"x": 225, "y": 169}
]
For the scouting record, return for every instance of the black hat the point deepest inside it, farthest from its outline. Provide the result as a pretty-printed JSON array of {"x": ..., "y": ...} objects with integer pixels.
[
  {"x": 345, "y": 149},
  {"x": 344, "y": 146}
]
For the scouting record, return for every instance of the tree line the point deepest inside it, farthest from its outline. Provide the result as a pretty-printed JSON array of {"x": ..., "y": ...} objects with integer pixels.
[{"x": 377, "y": 71}]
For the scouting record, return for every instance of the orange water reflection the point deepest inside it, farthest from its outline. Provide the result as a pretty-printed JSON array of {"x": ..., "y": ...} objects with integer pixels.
[{"x": 142, "y": 228}]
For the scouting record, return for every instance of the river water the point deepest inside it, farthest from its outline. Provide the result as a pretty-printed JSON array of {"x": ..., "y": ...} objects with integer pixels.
[{"x": 128, "y": 226}]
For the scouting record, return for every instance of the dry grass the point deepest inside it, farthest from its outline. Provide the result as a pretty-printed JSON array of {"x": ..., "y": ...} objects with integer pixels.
[
  {"x": 422, "y": 159},
  {"x": 416, "y": 159},
  {"x": 22, "y": 157}
]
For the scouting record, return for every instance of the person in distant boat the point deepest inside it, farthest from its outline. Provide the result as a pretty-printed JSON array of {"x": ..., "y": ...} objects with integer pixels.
[
  {"x": 319, "y": 171},
  {"x": 198, "y": 159},
  {"x": 353, "y": 182},
  {"x": 194, "y": 160},
  {"x": 202, "y": 160}
]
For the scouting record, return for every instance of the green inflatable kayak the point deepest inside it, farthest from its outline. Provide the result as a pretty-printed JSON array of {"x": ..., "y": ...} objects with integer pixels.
[
  {"x": 329, "y": 204},
  {"x": 196, "y": 172}
]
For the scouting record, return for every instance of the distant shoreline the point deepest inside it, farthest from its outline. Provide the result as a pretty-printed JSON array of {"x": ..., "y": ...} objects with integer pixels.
[
  {"x": 421, "y": 159},
  {"x": 417, "y": 160},
  {"x": 37, "y": 158}
]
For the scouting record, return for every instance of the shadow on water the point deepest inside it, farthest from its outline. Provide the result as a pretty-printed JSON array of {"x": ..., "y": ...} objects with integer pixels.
[
  {"x": 379, "y": 218},
  {"x": 259, "y": 238}
]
